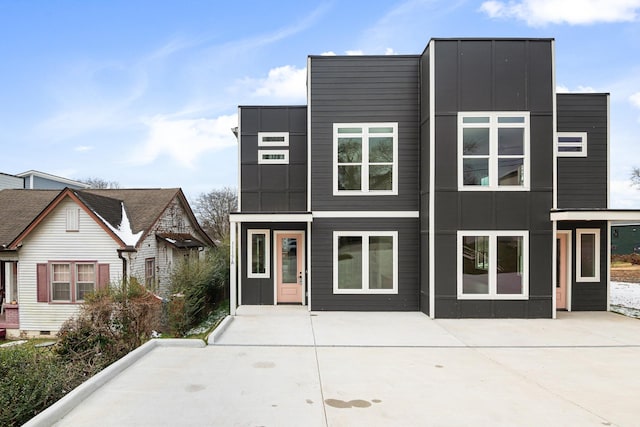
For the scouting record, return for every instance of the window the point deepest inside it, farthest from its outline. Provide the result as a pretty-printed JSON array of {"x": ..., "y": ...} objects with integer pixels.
[
  {"x": 273, "y": 139},
  {"x": 273, "y": 157},
  {"x": 493, "y": 264},
  {"x": 85, "y": 280},
  {"x": 365, "y": 262},
  {"x": 494, "y": 151},
  {"x": 73, "y": 219},
  {"x": 258, "y": 253},
  {"x": 69, "y": 281},
  {"x": 572, "y": 144},
  {"x": 365, "y": 158},
  {"x": 150, "y": 273},
  {"x": 588, "y": 255},
  {"x": 61, "y": 282}
]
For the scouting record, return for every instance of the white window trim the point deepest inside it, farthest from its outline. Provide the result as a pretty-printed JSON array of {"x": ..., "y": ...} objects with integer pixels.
[
  {"x": 365, "y": 262},
  {"x": 267, "y": 250},
  {"x": 283, "y": 161},
  {"x": 582, "y": 145},
  {"x": 493, "y": 126},
  {"x": 283, "y": 143},
  {"x": 364, "y": 171},
  {"x": 493, "y": 255},
  {"x": 76, "y": 281},
  {"x": 579, "y": 233}
]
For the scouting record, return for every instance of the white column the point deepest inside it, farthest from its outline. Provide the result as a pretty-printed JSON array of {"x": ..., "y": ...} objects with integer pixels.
[{"x": 233, "y": 269}]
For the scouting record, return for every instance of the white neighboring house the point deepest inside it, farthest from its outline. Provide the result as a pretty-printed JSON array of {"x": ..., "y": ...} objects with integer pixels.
[{"x": 56, "y": 246}]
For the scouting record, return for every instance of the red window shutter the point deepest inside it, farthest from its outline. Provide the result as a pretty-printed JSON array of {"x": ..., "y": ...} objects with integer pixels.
[
  {"x": 43, "y": 283},
  {"x": 103, "y": 276}
]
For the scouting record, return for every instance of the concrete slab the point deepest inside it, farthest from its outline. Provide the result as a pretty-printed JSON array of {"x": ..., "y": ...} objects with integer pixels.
[{"x": 286, "y": 366}]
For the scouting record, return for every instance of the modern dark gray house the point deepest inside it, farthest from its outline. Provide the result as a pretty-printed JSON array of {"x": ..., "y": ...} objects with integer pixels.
[{"x": 455, "y": 182}]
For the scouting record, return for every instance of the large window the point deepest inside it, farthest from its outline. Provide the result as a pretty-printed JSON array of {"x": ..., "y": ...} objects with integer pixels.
[
  {"x": 365, "y": 262},
  {"x": 493, "y": 264},
  {"x": 588, "y": 255},
  {"x": 71, "y": 282},
  {"x": 493, "y": 151},
  {"x": 258, "y": 254},
  {"x": 365, "y": 158}
]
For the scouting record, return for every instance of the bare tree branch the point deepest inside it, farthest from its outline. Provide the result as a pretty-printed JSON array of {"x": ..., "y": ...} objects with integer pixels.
[{"x": 212, "y": 210}]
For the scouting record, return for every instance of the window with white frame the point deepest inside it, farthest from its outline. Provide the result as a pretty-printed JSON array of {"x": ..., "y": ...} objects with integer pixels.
[
  {"x": 588, "y": 255},
  {"x": 572, "y": 144},
  {"x": 72, "y": 281},
  {"x": 85, "y": 280},
  {"x": 493, "y": 264},
  {"x": 365, "y": 158},
  {"x": 493, "y": 151},
  {"x": 273, "y": 157},
  {"x": 258, "y": 254},
  {"x": 365, "y": 262},
  {"x": 273, "y": 139}
]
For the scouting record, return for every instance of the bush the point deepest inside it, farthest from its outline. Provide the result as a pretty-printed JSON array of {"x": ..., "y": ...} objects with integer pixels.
[
  {"x": 630, "y": 258},
  {"x": 196, "y": 286},
  {"x": 31, "y": 379}
]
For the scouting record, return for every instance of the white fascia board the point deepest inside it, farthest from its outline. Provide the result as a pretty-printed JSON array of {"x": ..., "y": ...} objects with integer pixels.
[
  {"x": 366, "y": 214},
  {"x": 239, "y": 217},
  {"x": 604, "y": 215}
]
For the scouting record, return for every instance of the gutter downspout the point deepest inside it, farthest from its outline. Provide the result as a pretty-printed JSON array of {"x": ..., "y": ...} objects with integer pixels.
[{"x": 129, "y": 250}]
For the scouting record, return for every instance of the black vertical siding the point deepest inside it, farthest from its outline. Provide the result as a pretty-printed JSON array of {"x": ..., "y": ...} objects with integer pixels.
[
  {"x": 266, "y": 187},
  {"x": 493, "y": 75},
  {"x": 588, "y": 296},
  {"x": 322, "y": 297},
  {"x": 359, "y": 90},
  {"x": 582, "y": 181}
]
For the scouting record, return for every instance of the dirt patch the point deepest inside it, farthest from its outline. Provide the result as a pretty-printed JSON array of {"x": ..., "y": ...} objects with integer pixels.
[{"x": 629, "y": 274}]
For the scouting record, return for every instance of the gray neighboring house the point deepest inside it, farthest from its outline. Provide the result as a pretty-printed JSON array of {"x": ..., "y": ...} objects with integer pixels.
[
  {"x": 456, "y": 182},
  {"x": 36, "y": 180}
]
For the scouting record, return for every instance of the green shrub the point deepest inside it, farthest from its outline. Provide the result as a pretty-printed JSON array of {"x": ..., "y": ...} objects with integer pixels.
[
  {"x": 31, "y": 379},
  {"x": 197, "y": 284}
]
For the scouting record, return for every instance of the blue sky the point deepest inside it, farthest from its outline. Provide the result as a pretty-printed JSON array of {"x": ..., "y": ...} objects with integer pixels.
[{"x": 145, "y": 92}]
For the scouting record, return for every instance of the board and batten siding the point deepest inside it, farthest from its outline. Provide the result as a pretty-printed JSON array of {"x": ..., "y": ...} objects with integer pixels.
[
  {"x": 50, "y": 241},
  {"x": 369, "y": 89},
  {"x": 583, "y": 181}
]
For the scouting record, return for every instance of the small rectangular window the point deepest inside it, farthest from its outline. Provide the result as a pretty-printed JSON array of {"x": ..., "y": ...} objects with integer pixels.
[
  {"x": 588, "y": 255},
  {"x": 273, "y": 139},
  {"x": 365, "y": 262},
  {"x": 572, "y": 144},
  {"x": 273, "y": 157},
  {"x": 73, "y": 219},
  {"x": 258, "y": 253}
]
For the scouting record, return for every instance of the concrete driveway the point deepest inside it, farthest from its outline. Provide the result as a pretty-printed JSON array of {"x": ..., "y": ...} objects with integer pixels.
[{"x": 285, "y": 366}]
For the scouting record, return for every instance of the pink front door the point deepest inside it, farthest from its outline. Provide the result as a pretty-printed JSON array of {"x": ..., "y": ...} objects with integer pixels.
[
  {"x": 561, "y": 272},
  {"x": 290, "y": 267}
]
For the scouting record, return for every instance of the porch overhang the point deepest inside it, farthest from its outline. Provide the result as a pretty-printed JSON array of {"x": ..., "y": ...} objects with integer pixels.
[
  {"x": 613, "y": 215},
  {"x": 271, "y": 217}
]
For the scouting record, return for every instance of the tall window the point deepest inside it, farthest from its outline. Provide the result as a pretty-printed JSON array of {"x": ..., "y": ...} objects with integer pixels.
[
  {"x": 493, "y": 151},
  {"x": 61, "y": 282},
  {"x": 150, "y": 273},
  {"x": 365, "y": 158},
  {"x": 85, "y": 280},
  {"x": 258, "y": 253},
  {"x": 493, "y": 264},
  {"x": 365, "y": 262},
  {"x": 588, "y": 255}
]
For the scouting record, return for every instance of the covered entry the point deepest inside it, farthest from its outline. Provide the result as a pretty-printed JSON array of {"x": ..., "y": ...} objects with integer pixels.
[
  {"x": 269, "y": 259},
  {"x": 583, "y": 256}
]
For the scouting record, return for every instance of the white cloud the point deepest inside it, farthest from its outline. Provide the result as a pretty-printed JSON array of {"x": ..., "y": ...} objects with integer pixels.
[
  {"x": 354, "y": 52},
  {"x": 579, "y": 89},
  {"x": 83, "y": 148},
  {"x": 185, "y": 140},
  {"x": 389, "y": 51},
  {"x": 286, "y": 82},
  {"x": 635, "y": 99},
  {"x": 624, "y": 195},
  {"x": 573, "y": 12},
  {"x": 329, "y": 53}
]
